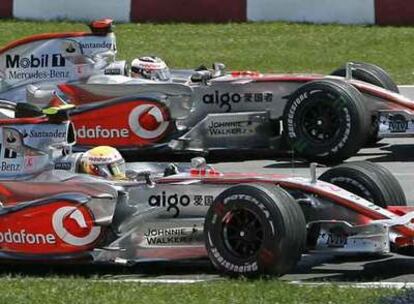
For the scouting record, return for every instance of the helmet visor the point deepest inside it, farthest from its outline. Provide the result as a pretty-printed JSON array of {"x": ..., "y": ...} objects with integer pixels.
[
  {"x": 117, "y": 169},
  {"x": 114, "y": 170},
  {"x": 161, "y": 74}
]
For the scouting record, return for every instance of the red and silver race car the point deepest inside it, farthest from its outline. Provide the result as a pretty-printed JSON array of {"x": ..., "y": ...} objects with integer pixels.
[
  {"x": 322, "y": 118},
  {"x": 246, "y": 224}
]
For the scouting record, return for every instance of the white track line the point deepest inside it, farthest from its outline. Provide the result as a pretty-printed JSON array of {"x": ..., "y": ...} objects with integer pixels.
[
  {"x": 156, "y": 281},
  {"x": 393, "y": 285}
]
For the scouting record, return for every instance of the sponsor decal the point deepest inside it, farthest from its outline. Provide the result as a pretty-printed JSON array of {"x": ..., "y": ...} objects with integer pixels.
[
  {"x": 70, "y": 49},
  {"x": 81, "y": 233},
  {"x": 10, "y": 167},
  {"x": 96, "y": 45},
  {"x": 397, "y": 123},
  {"x": 113, "y": 71},
  {"x": 147, "y": 121},
  {"x": 292, "y": 112},
  {"x": 38, "y": 75},
  {"x": 32, "y": 61},
  {"x": 174, "y": 202},
  {"x": 63, "y": 166},
  {"x": 101, "y": 132},
  {"x": 38, "y": 67},
  {"x": 137, "y": 123},
  {"x": 23, "y": 237},
  {"x": 333, "y": 239},
  {"x": 248, "y": 267},
  {"x": 170, "y": 236},
  {"x": 45, "y": 134},
  {"x": 230, "y": 128},
  {"x": 227, "y": 100},
  {"x": 57, "y": 227}
]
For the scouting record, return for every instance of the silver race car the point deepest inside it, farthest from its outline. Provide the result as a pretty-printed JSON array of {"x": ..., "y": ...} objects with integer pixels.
[
  {"x": 321, "y": 118},
  {"x": 246, "y": 224}
]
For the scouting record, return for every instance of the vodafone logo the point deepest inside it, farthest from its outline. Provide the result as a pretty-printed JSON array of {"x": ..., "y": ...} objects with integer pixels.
[
  {"x": 72, "y": 227},
  {"x": 147, "y": 121}
]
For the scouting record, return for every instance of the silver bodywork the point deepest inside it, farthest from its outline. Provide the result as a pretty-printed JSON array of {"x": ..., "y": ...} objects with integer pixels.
[
  {"x": 227, "y": 112},
  {"x": 159, "y": 216}
]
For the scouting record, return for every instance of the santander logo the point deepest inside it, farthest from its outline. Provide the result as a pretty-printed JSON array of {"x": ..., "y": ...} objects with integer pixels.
[
  {"x": 73, "y": 226},
  {"x": 147, "y": 121}
]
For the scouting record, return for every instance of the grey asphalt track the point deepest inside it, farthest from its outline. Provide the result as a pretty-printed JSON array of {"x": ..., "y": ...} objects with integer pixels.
[{"x": 395, "y": 154}]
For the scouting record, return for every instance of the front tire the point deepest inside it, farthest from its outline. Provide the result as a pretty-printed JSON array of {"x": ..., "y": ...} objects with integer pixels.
[
  {"x": 369, "y": 73},
  {"x": 326, "y": 121},
  {"x": 370, "y": 181},
  {"x": 375, "y": 75},
  {"x": 254, "y": 230}
]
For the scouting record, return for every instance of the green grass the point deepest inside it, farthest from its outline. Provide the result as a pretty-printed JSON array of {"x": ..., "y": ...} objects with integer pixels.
[
  {"x": 278, "y": 47},
  {"x": 56, "y": 291}
]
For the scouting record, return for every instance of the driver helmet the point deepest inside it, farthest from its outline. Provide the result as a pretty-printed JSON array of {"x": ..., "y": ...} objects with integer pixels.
[
  {"x": 150, "y": 67},
  {"x": 105, "y": 162}
]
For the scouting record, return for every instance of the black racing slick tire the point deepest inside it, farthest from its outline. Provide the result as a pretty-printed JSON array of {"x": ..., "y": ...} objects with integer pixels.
[
  {"x": 370, "y": 73},
  {"x": 369, "y": 181},
  {"x": 326, "y": 121},
  {"x": 375, "y": 75},
  {"x": 255, "y": 230}
]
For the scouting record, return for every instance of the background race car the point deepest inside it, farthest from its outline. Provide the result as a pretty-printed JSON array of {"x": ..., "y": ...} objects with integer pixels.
[{"x": 321, "y": 118}]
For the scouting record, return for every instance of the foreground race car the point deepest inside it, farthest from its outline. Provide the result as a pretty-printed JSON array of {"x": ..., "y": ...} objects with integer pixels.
[
  {"x": 246, "y": 224},
  {"x": 321, "y": 118}
]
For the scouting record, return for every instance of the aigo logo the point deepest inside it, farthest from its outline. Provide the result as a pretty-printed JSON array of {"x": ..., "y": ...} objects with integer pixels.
[
  {"x": 73, "y": 226},
  {"x": 148, "y": 121}
]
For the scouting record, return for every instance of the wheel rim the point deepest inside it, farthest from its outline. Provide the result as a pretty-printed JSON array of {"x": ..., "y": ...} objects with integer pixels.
[
  {"x": 322, "y": 119},
  {"x": 242, "y": 233}
]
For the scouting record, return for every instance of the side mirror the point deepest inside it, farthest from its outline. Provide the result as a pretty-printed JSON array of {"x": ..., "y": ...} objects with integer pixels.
[
  {"x": 219, "y": 69},
  {"x": 137, "y": 175},
  {"x": 201, "y": 76}
]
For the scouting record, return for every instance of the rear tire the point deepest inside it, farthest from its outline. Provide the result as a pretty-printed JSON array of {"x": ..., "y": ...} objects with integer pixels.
[
  {"x": 369, "y": 181},
  {"x": 326, "y": 121},
  {"x": 254, "y": 230}
]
